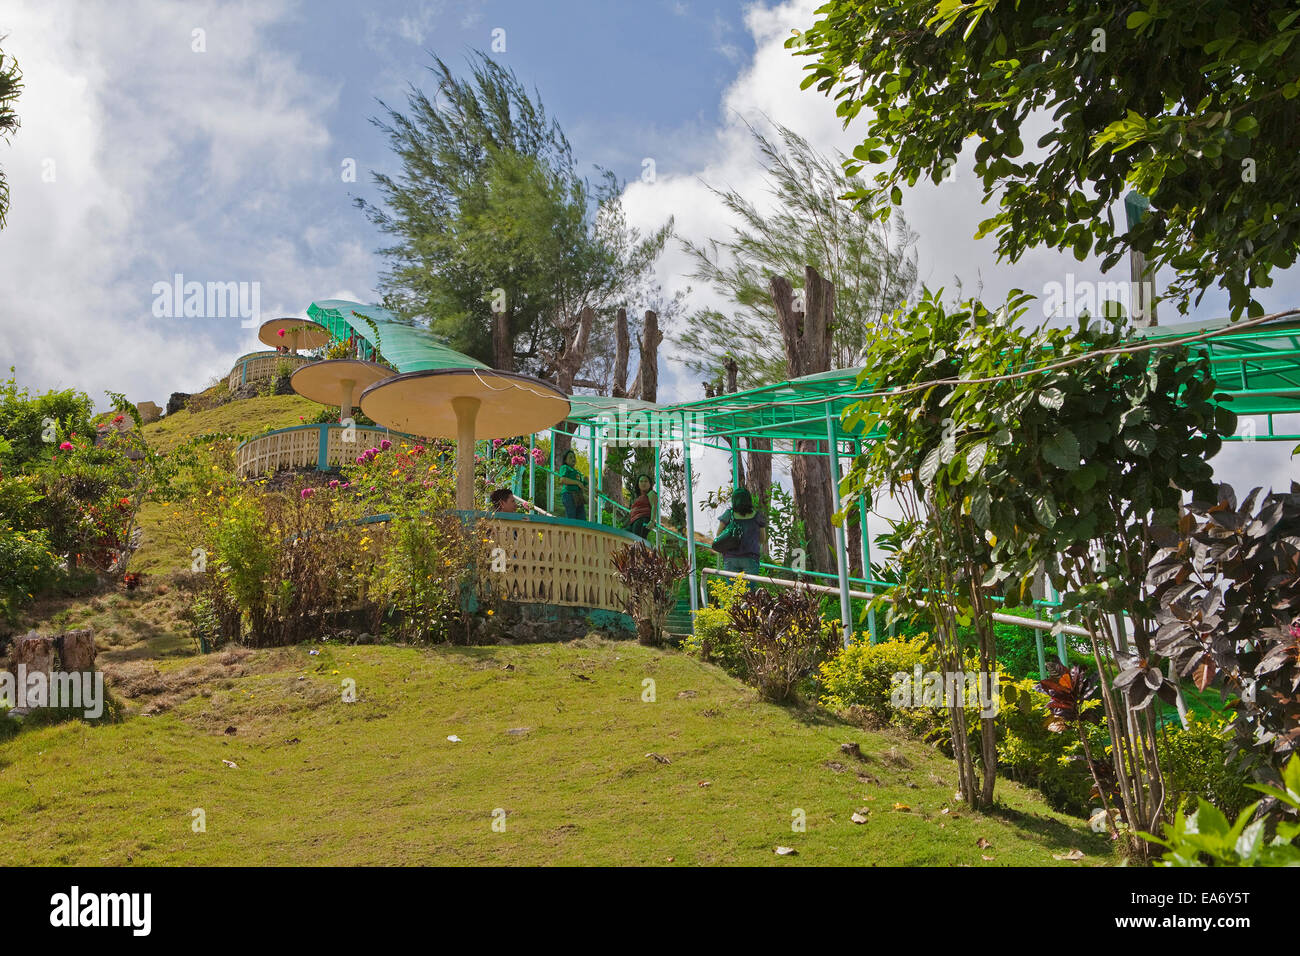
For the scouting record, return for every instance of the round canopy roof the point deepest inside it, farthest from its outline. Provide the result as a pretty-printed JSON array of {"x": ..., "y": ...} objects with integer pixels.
[
  {"x": 324, "y": 381},
  {"x": 310, "y": 335},
  {"x": 419, "y": 403}
]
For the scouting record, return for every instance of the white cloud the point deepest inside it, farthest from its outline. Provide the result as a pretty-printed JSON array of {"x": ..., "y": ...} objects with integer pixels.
[{"x": 165, "y": 160}]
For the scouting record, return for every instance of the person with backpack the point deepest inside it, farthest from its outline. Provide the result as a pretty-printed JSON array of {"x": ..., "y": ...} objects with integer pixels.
[{"x": 740, "y": 534}]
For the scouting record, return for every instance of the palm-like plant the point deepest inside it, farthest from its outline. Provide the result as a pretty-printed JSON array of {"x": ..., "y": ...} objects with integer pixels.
[{"x": 11, "y": 84}]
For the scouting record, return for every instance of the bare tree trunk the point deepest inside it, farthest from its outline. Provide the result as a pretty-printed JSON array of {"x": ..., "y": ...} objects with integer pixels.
[
  {"x": 648, "y": 375},
  {"x": 622, "y": 345},
  {"x": 807, "y": 338},
  {"x": 503, "y": 343},
  {"x": 567, "y": 366}
]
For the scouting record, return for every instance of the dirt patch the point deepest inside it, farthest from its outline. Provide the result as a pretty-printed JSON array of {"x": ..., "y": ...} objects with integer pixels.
[{"x": 156, "y": 690}]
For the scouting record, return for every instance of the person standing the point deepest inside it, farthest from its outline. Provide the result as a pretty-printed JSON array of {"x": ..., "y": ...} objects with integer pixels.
[
  {"x": 740, "y": 551},
  {"x": 573, "y": 494}
]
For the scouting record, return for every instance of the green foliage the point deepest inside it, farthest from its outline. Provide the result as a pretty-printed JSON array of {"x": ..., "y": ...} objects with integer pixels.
[
  {"x": 651, "y": 578},
  {"x": 1206, "y": 838},
  {"x": 713, "y": 638},
  {"x": 494, "y": 230},
  {"x": 34, "y": 426},
  {"x": 1030, "y": 753},
  {"x": 11, "y": 84},
  {"x": 28, "y": 566},
  {"x": 1228, "y": 586},
  {"x": 872, "y": 265},
  {"x": 783, "y": 638},
  {"x": 1197, "y": 765},
  {"x": 1192, "y": 105},
  {"x": 862, "y": 674}
]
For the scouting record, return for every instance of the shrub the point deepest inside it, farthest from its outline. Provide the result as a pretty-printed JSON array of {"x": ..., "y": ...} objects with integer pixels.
[
  {"x": 285, "y": 562},
  {"x": 27, "y": 567},
  {"x": 1031, "y": 753},
  {"x": 783, "y": 637},
  {"x": 650, "y": 577},
  {"x": 713, "y": 637},
  {"x": 862, "y": 674},
  {"x": 1197, "y": 766}
]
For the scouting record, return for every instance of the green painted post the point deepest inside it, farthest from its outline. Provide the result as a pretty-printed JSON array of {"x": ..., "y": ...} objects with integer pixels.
[
  {"x": 659, "y": 535},
  {"x": 550, "y": 494},
  {"x": 1061, "y": 653},
  {"x": 592, "y": 510},
  {"x": 841, "y": 552},
  {"x": 866, "y": 568},
  {"x": 323, "y": 449},
  {"x": 690, "y": 524},
  {"x": 532, "y": 469}
]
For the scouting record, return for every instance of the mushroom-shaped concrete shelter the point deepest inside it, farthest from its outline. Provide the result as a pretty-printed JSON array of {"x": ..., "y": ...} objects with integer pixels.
[
  {"x": 465, "y": 404},
  {"x": 297, "y": 333},
  {"x": 338, "y": 382}
]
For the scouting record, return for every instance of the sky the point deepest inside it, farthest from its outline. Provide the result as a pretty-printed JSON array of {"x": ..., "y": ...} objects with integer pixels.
[{"x": 216, "y": 140}]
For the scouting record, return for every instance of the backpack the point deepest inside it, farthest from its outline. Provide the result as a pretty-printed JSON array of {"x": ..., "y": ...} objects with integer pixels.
[{"x": 732, "y": 535}]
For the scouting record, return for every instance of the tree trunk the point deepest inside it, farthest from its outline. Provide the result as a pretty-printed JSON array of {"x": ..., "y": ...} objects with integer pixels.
[
  {"x": 622, "y": 345},
  {"x": 567, "y": 366},
  {"x": 807, "y": 338},
  {"x": 648, "y": 376},
  {"x": 503, "y": 343}
]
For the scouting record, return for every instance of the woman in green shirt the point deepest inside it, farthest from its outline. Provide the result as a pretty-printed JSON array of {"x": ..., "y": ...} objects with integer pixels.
[{"x": 574, "y": 489}]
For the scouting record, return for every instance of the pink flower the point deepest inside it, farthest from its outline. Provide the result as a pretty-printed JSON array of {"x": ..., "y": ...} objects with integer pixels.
[
  {"x": 517, "y": 459},
  {"x": 346, "y": 484},
  {"x": 497, "y": 443},
  {"x": 334, "y": 483},
  {"x": 418, "y": 449},
  {"x": 539, "y": 456},
  {"x": 280, "y": 333},
  {"x": 360, "y": 460},
  {"x": 385, "y": 445},
  {"x": 307, "y": 493},
  {"x": 65, "y": 446}
]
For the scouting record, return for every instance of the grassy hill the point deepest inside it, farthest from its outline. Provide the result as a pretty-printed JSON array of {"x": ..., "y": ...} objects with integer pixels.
[
  {"x": 248, "y": 417},
  {"x": 556, "y": 736}
]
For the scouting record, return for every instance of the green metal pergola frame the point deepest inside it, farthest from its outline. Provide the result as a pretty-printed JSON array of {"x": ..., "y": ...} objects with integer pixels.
[{"x": 1257, "y": 368}]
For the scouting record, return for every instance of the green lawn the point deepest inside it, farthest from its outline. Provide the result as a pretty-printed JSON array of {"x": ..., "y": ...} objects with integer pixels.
[
  {"x": 556, "y": 735},
  {"x": 248, "y": 417}
]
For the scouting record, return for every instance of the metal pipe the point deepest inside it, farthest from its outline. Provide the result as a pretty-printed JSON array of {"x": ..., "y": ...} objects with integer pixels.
[
  {"x": 690, "y": 524},
  {"x": 841, "y": 551},
  {"x": 821, "y": 588}
]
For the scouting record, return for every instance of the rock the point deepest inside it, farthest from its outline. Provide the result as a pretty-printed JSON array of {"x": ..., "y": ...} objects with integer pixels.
[
  {"x": 177, "y": 401},
  {"x": 149, "y": 412}
]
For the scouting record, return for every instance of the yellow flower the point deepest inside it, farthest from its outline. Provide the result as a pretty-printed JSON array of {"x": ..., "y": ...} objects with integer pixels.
[{"x": 490, "y": 613}]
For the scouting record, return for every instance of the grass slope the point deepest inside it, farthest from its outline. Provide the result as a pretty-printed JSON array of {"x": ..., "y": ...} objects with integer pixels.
[
  {"x": 557, "y": 736},
  {"x": 248, "y": 417}
]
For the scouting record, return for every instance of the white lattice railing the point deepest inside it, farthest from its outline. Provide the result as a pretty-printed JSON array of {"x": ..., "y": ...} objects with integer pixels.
[
  {"x": 555, "y": 561},
  {"x": 304, "y": 446},
  {"x": 261, "y": 366}
]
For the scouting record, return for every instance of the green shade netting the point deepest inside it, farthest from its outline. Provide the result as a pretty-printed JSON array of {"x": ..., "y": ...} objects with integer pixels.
[{"x": 404, "y": 345}]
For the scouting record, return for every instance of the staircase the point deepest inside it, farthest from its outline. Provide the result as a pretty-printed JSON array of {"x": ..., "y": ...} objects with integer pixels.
[{"x": 679, "y": 618}]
